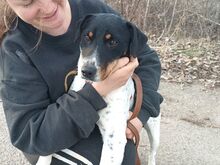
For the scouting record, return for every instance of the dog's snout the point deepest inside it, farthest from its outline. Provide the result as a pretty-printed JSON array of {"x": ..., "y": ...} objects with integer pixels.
[{"x": 89, "y": 72}]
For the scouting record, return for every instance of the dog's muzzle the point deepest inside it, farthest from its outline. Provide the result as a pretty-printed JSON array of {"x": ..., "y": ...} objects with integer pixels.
[{"x": 89, "y": 72}]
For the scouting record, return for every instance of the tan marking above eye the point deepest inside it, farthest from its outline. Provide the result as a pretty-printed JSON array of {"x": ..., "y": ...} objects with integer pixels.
[
  {"x": 108, "y": 36},
  {"x": 90, "y": 34}
]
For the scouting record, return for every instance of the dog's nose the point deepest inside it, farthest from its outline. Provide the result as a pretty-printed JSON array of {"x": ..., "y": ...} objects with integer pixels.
[{"x": 89, "y": 72}]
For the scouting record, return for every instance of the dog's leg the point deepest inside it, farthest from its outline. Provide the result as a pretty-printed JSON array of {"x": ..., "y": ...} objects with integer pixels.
[
  {"x": 44, "y": 160},
  {"x": 77, "y": 84},
  {"x": 153, "y": 129},
  {"x": 113, "y": 147},
  {"x": 112, "y": 125}
]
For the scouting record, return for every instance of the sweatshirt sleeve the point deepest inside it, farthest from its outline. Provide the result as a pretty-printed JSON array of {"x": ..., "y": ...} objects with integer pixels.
[
  {"x": 149, "y": 71},
  {"x": 36, "y": 125}
]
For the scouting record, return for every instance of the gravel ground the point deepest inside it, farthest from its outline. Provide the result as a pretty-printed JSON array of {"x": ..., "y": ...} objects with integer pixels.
[{"x": 190, "y": 129}]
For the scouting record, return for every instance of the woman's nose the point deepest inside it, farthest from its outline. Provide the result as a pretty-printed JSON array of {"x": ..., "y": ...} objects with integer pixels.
[{"x": 46, "y": 7}]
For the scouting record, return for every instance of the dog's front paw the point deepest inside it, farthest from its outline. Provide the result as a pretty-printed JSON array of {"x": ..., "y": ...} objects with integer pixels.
[
  {"x": 77, "y": 84},
  {"x": 44, "y": 160}
]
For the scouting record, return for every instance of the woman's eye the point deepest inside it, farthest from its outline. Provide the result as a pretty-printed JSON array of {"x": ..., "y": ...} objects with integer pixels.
[{"x": 28, "y": 3}]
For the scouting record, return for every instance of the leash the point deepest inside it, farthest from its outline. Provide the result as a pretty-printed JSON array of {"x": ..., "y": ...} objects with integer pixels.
[
  {"x": 137, "y": 108},
  {"x": 72, "y": 72}
]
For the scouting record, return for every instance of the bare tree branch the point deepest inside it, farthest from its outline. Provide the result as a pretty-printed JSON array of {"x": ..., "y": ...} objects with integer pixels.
[{"x": 171, "y": 22}]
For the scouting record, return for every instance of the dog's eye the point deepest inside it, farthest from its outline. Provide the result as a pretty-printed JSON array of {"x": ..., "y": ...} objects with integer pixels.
[
  {"x": 87, "y": 39},
  {"x": 112, "y": 43}
]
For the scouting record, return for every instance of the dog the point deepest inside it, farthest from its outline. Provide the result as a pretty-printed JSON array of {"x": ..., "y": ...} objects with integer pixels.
[{"x": 105, "y": 38}]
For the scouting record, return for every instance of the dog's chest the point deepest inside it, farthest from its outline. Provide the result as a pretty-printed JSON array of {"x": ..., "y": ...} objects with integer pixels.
[
  {"x": 114, "y": 116},
  {"x": 113, "y": 122},
  {"x": 118, "y": 101}
]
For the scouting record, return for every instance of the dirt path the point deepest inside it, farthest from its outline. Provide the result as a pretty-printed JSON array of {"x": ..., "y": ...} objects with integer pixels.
[
  {"x": 190, "y": 129},
  {"x": 190, "y": 126}
]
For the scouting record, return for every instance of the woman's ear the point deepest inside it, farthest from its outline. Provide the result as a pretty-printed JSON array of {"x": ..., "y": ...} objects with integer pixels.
[
  {"x": 81, "y": 25},
  {"x": 137, "y": 39}
]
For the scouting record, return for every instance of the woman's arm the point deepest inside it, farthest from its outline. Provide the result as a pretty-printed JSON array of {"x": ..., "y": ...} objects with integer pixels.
[
  {"x": 149, "y": 71},
  {"x": 36, "y": 125}
]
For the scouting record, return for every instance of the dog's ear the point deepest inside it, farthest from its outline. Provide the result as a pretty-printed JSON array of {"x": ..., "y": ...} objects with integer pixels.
[
  {"x": 137, "y": 40},
  {"x": 81, "y": 24}
]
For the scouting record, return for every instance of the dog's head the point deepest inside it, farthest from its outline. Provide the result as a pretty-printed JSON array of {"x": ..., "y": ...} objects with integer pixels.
[{"x": 104, "y": 38}]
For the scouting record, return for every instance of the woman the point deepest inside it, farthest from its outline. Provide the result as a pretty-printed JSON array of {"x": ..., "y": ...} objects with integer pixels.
[{"x": 37, "y": 52}]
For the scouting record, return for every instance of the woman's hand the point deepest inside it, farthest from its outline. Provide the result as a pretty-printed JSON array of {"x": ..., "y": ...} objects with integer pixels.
[
  {"x": 137, "y": 124},
  {"x": 118, "y": 76}
]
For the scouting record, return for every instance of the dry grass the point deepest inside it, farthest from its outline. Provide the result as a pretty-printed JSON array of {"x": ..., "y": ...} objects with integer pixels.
[
  {"x": 173, "y": 18},
  {"x": 186, "y": 33},
  {"x": 168, "y": 18},
  {"x": 189, "y": 60}
]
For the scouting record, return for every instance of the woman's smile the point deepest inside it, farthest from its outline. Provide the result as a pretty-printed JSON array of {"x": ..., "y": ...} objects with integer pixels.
[{"x": 50, "y": 16}]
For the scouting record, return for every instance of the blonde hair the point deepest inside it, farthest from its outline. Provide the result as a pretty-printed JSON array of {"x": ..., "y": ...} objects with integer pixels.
[{"x": 9, "y": 18}]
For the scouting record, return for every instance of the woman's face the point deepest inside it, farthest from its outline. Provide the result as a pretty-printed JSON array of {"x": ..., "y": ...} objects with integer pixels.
[{"x": 50, "y": 16}]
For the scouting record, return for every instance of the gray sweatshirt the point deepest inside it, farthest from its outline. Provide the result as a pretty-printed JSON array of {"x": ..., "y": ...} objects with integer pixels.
[{"x": 42, "y": 118}]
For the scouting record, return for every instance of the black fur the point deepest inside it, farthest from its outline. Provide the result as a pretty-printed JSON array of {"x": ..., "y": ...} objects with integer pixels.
[{"x": 126, "y": 39}]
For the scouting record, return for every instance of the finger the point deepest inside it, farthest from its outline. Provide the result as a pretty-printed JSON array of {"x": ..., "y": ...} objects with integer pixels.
[
  {"x": 130, "y": 67},
  {"x": 132, "y": 58},
  {"x": 130, "y": 114},
  {"x": 129, "y": 134},
  {"x": 125, "y": 64},
  {"x": 134, "y": 62},
  {"x": 122, "y": 62},
  {"x": 137, "y": 124}
]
